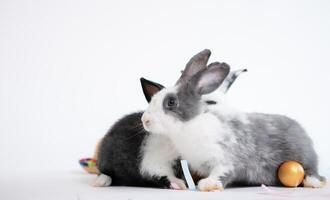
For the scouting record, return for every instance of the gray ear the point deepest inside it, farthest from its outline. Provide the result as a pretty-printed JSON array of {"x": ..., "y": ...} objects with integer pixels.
[
  {"x": 230, "y": 79},
  {"x": 211, "y": 78},
  {"x": 195, "y": 64}
]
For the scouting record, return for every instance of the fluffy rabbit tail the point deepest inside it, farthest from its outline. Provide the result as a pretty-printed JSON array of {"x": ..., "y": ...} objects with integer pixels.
[
  {"x": 314, "y": 180},
  {"x": 102, "y": 180}
]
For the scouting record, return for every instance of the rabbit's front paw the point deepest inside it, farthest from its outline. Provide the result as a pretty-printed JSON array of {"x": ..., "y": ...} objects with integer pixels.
[
  {"x": 210, "y": 184},
  {"x": 102, "y": 180},
  {"x": 177, "y": 184}
]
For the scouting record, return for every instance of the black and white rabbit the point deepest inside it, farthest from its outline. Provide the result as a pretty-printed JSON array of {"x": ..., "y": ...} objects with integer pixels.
[
  {"x": 223, "y": 145},
  {"x": 125, "y": 143},
  {"x": 119, "y": 157},
  {"x": 121, "y": 150}
]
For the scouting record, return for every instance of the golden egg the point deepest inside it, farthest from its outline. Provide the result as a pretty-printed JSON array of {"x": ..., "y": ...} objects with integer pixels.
[{"x": 291, "y": 173}]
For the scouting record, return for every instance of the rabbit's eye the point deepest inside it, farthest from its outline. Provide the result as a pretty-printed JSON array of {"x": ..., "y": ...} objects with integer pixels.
[{"x": 171, "y": 102}]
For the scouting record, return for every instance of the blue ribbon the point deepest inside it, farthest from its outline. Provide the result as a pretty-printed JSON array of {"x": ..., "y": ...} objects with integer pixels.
[{"x": 187, "y": 175}]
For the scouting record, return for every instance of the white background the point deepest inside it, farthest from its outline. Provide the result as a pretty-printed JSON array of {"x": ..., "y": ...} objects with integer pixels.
[{"x": 70, "y": 69}]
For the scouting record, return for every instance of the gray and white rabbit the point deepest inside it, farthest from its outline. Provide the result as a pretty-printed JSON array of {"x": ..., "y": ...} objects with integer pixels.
[
  {"x": 223, "y": 145},
  {"x": 121, "y": 149}
]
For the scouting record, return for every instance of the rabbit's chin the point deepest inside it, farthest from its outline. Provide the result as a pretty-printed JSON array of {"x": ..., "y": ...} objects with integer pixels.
[
  {"x": 156, "y": 128},
  {"x": 153, "y": 127}
]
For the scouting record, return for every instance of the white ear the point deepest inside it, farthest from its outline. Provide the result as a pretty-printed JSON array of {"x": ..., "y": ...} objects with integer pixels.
[{"x": 210, "y": 79}]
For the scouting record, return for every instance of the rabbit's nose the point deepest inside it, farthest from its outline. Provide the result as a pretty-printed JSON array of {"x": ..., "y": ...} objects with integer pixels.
[{"x": 145, "y": 120}]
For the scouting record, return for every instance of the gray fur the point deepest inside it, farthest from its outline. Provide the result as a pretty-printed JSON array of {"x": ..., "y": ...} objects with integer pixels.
[
  {"x": 186, "y": 107},
  {"x": 263, "y": 144},
  {"x": 211, "y": 78},
  {"x": 197, "y": 63},
  {"x": 263, "y": 141},
  {"x": 120, "y": 149},
  {"x": 188, "y": 95},
  {"x": 230, "y": 79}
]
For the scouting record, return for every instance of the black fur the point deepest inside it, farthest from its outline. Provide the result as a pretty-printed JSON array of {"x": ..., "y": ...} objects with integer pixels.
[
  {"x": 119, "y": 154},
  {"x": 210, "y": 102},
  {"x": 150, "y": 88}
]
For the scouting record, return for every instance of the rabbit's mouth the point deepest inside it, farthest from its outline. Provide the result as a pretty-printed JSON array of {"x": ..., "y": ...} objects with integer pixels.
[
  {"x": 145, "y": 122},
  {"x": 153, "y": 124}
]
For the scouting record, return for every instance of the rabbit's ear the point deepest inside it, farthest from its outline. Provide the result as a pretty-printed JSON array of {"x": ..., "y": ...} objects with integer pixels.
[
  {"x": 195, "y": 64},
  {"x": 210, "y": 79},
  {"x": 230, "y": 79},
  {"x": 150, "y": 88}
]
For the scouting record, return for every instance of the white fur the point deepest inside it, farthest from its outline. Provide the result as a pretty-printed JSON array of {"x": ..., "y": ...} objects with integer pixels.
[
  {"x": 158, "y": 155},
  {"x": 311, "y": 181},
  {"x": 209, "y": 184},
  {"x": 224, "y": 108},
  {"x": 102, "y": 180},
  {"x": 155, "y": 114},
  {"x": 197, "y": 139}
]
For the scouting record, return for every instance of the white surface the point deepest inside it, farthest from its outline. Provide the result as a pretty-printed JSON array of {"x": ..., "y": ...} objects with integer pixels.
[
  {"x": 69, "y": 69},
  {"x": 75, "y": 185}
]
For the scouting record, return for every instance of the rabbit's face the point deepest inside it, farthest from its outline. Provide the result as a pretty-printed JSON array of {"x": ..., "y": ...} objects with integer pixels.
[
  {"x": 154, "y": 119},
  {"x": 170, "y": 108}
]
